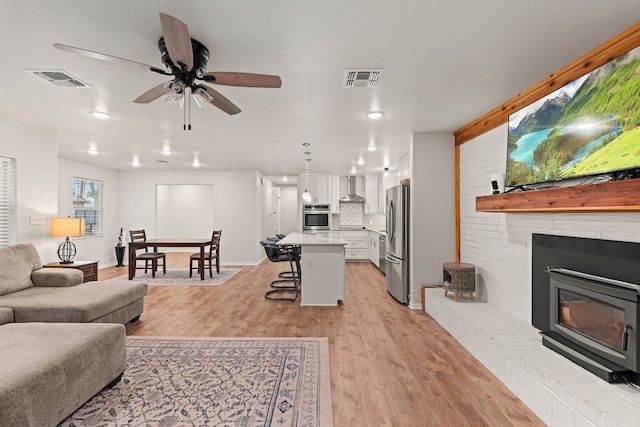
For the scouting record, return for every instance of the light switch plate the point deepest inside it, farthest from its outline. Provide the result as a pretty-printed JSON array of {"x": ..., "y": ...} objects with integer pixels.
[{"x": 38, "y": 220}]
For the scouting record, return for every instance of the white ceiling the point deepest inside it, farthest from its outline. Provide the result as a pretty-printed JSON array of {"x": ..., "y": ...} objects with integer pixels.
[{"x": 445, "y": 64}]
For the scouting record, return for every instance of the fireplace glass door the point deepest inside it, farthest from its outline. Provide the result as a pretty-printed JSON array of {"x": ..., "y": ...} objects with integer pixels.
[{"x": 592, "y": 318}]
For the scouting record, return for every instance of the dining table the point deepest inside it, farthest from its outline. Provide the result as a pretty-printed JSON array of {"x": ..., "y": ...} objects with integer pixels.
[{"x": 168, "y": 243}]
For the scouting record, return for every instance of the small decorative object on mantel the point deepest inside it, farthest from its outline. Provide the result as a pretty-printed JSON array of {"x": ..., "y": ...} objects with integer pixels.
[
  {"x": 404, "y": 181},
  {"x": 120, "y": 250}
]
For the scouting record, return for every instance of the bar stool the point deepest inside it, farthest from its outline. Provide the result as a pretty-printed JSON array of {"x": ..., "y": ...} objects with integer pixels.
[
  {"x": 287, "y": 275},
  {"x": 459, "y": 278},
  {"x": 282, "y": 253}
]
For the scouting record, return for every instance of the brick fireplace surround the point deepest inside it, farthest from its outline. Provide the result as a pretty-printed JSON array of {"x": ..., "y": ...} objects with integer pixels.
[
  {"x": 497, "y": 328},
  {"x": 560, "y": 392}
]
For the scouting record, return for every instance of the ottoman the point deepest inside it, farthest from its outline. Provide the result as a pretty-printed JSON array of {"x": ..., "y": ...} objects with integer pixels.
[{"x": 48, "y": 370}]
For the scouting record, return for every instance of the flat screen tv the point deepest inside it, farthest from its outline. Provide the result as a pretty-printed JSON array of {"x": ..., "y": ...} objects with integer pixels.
[{"x": 590, "y": 126}]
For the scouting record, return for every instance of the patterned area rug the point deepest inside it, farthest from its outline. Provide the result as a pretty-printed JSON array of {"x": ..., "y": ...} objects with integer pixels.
[
  {"x": 180, "y": 276},
  {"x": 246, "y": 382}
]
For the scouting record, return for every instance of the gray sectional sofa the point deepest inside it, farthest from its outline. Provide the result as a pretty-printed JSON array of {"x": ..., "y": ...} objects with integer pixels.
[
  {"x": 61, "y": 340},
  {"x": 37, "y": 294}
]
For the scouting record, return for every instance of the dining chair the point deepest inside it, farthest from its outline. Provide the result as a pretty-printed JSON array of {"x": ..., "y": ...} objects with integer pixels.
[
  {"x": 146, "y": 256},
  {"x": 214, "y": 254}
]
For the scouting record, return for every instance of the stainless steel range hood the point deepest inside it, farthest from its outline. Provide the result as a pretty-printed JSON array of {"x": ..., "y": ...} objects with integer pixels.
[{"x": 351, "y": 192}]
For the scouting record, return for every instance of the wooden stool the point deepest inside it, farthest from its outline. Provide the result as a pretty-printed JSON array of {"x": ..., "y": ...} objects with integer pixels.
[{"x": 459, "y": 278}]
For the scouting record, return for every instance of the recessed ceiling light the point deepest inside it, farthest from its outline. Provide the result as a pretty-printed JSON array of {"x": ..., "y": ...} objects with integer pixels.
[
  {"x": 196, "y": 163},
  {"x": 372, "y": 148},
  {"x": 353, "y": 170},
  {"x": 375, "y": 114},
  {"x": 100, "y": 115},
  {"x": 92, "y": 151},
  {"x": 285, "y": 178},
  {"x": 360, "y": 162},
  {"x": 166, "y": 151},
  {"x": 136, "y": 161}
]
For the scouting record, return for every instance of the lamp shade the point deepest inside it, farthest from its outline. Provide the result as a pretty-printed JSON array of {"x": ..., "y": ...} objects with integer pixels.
[{"x": 67, "y": 227}]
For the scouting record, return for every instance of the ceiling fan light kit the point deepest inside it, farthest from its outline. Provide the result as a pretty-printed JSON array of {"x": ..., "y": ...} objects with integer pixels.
[
  {"x": 201, "y": 97},
  {"x": 186, "y": 60}
]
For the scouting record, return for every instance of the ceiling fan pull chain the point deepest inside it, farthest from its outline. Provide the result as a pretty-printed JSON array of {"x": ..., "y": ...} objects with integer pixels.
[{"x": 187, "y": 109}]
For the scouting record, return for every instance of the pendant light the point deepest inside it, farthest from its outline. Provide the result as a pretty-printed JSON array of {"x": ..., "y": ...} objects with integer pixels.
[{"x": 306, "y": 196}]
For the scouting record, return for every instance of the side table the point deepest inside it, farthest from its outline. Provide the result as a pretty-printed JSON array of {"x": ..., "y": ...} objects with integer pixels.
[
  {"x": 88, "y": 268},
  {"x": 459, "y": 278}
]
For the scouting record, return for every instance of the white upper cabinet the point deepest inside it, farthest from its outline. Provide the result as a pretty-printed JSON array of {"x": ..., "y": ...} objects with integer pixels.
[
  {"x": 320, "y": 188},
  {"x": 371, "y": 204},
  {"x": 402, "y": 170},
  {"x": 335, "y": 194},
  {"x": 387, "y": 180}
]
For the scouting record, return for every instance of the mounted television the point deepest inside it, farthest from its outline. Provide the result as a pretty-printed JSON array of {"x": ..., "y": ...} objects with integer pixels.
[{"x": 589, "y": 127}]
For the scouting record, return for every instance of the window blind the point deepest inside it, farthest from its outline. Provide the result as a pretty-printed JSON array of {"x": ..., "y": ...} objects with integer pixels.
[
  {"x": 88, "y": 204},
  {"x": 7, "y": 201}
]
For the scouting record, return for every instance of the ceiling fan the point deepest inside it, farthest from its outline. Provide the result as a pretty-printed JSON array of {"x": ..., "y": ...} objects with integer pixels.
[{"x": 186, "y": 60}]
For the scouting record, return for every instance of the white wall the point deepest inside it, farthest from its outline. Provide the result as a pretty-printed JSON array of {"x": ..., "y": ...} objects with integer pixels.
[
  {"x": 35, "y": 151},
  {"x": 175, "y": 216},
  {"x": 432, "y": 198},
  {"x": 499, "y": 245},
  {"x": 237, "y": 209},
  {"x": 89, "y": 248},
  {"x": 288, "y": 209},
  {"x": 267, "y": 219}
]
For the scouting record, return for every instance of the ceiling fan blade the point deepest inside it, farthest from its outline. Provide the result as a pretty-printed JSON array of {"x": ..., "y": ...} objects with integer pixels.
[
  {"x": 244, "y": 79},
  {"x": 177, "y": 39},
  {"x": 151, "y": 95},
  {"x": 109, "y": 58},
  {"x": 220, "y": 101}
]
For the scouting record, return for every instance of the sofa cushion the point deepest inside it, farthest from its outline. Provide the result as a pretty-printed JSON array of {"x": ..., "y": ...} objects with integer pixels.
[
  {"x": 57, "y": 277},
  {"x": 83, "y": 303},
  {"x": 6, "y": 315},
  {"x": 16, "y": 264},
  {"x": 48, "y": 370}
]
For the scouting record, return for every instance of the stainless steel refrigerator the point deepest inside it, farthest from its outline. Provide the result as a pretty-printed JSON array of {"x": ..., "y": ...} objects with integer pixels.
[{"x": 397, "y": 259}]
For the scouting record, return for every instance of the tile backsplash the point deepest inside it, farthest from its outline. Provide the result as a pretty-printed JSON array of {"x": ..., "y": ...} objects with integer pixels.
[{"x": 351, "y": 214}]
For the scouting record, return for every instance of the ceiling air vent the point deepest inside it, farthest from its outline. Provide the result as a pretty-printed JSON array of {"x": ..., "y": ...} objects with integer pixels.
[
  {"x": 362, "y": 78},
  {"x": 58, "y": 78}
]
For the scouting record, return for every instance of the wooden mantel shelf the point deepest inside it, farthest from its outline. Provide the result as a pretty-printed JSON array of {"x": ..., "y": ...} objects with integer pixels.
[{"x": 617, "y": 196}]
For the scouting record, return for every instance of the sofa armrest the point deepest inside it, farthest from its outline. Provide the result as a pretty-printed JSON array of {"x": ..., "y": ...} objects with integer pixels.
[
  {"x": 56, "y": 277},
  {"x": 6, "y": 315}
]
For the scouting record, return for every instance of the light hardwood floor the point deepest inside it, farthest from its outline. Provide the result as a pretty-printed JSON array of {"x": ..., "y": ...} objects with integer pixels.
[{"x": 390, "y": 365}]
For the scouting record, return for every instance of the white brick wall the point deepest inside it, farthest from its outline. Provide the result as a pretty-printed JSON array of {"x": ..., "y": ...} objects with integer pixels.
[
  {"x": 499, "y": 245},
  {"x": 497, "y": 329}
]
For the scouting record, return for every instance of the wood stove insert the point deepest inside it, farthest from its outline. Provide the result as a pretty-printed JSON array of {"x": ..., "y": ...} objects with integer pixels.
[{"x": 594, "y": 322}]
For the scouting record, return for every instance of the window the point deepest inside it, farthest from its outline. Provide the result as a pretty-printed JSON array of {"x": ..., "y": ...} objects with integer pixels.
[
  {"x": 7, "y": 201},
  {"x": 88, "y": 204}
]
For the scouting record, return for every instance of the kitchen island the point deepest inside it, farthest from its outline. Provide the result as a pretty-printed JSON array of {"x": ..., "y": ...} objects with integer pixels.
[{"x": 322, "y": 265}]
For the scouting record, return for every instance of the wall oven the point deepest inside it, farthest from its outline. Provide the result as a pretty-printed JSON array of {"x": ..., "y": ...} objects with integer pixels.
[{"x": 316, "y": 217}]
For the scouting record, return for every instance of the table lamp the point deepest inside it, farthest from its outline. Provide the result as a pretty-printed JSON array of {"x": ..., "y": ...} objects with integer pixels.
[{"x": 67, "y": 227}]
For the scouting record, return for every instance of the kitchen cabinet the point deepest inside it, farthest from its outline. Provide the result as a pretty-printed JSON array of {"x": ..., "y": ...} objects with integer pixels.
[
  {"x": 371, "y": 204},
  {"x": 374, "y": 254},
  {"x": 403, "y": 170},
  {"x": 387, "y": 180},
  {"x": 356, "y": 244},
  {"x": 381, "y": 194},
  {"x": 335, "y": 194},
  {"x": 319, "y": 186}
]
